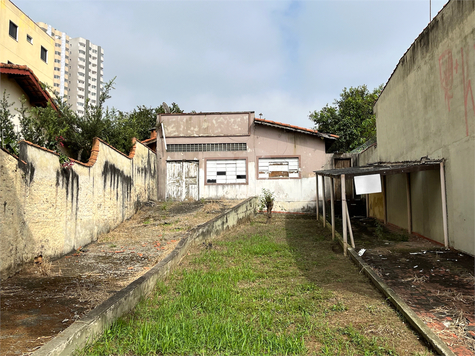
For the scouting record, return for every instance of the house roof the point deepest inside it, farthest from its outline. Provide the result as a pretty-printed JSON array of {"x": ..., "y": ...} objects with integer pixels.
[
  {"x": 207, "y": 113},
  {"x": 30, "y": 84},
  {"x": 295, "y": 128},
  {"x": 382, "y": 168}
]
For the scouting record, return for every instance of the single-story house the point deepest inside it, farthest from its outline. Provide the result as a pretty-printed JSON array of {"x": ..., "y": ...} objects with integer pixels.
[{"x": 234, "y": 155}]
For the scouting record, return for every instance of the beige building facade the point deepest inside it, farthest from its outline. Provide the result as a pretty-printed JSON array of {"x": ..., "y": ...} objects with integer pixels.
[
  {"x": 235, "y": 155},
  {"x": 23, "y": 42}
]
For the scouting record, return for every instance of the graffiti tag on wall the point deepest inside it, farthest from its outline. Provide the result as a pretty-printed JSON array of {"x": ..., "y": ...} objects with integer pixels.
[{"x": 448, "y": 72}]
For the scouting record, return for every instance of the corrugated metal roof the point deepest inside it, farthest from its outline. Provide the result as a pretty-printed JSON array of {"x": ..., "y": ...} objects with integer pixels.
[{"x": 382, "y": 168}]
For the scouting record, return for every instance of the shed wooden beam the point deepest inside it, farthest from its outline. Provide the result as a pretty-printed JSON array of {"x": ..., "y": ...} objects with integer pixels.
[
  {"x": 317, "y": 199},
  {"x": 332, "y": 200},
  {"x": 323, "y": 202},
  {"x": 444, "y": 204},
  {"x": 343, "y": 213},
  {"x": 409, "y": 206},
  {"x": 385, "y": 205}
]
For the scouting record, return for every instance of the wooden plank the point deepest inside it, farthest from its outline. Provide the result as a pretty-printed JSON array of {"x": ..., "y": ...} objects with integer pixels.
[
  {"x": 323, "y": 202},
  {"x": 409, "y": 207},
  {"x": 332, "y": 199},
  {"x": 343, "y": 203},
  {"x": 444, "y": 204},
  {"x": 349, "y": 226},
  {"x": 318, "y": 209},
  {"x": 385, "y": 201}
]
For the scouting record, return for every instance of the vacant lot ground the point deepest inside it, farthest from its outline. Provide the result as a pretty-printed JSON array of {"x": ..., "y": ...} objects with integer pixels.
[
  {"x": 277, "y": 288},
  {"x": 43, "y": 299}
]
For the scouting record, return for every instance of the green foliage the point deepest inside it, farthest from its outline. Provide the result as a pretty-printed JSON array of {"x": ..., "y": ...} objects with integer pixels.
[
  {"x": 8, "y": 136},
  {"x": 48, "y": 127},
  {"x": 351, "y": 117},
  {"x": 266, "y": 199}
]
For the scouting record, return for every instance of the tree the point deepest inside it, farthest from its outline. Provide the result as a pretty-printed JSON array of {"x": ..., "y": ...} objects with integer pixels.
[
  {"x": 351, "y": 118},
  {"x": 8, "y": 136}
]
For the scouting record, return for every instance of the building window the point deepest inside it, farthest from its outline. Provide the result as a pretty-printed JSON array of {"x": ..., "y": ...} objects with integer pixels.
[
  {"x": 57, "y": 77},
  {"x": 29, "y": 39},
  {"x": 56, "y": 85},
  {"x": 13, "y": 31},
  {"x": 57, "y": 44},
  {"x": 58, "y": 53},
  {"x": 286, "y": 167},
  {"x": 205, "y": 147},
  {"x": 226, "y": 171},
  {"x": 44, "y": 54}
]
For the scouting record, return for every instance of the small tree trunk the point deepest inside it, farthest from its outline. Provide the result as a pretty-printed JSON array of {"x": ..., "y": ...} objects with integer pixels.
[{"x": 269, "y": 211}]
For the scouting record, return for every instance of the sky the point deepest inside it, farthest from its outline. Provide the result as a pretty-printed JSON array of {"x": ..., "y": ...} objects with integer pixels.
[{"x": 279, "y": 58}]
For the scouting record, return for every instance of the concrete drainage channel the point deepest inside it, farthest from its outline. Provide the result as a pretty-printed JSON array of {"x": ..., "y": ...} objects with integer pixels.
[
  {"x": 439, "y": 346},
  {"x": 98, "y": 320}
]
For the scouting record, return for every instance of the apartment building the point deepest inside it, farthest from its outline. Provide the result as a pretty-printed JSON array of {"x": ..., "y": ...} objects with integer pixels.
[
  {"x": 85, "y": 73},
  {"x": 60, "y": 60},
  {"x": 78, "y": 68},
  {"x": 23, "y": 42}
]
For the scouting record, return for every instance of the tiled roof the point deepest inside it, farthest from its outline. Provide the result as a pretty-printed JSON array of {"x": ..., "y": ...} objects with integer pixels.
[
  {"x": 29, "y": 82},
  {"x": 295, "y": 128}
]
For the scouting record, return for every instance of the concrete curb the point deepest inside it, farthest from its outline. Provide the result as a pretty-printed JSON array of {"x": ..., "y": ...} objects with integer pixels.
[
  {"x": 439, "y": 346},
  {"x": 89, "y": 328}
]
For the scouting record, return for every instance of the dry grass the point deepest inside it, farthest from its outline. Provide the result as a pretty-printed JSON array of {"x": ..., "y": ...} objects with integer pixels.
[{"x": 416, "y": 279}]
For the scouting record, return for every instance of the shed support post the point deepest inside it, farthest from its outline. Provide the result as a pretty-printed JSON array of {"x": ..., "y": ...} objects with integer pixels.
[
  {"x": 444, "y": 204},
  {"x": 385, "y": 203},
  {"x": 343, "y": 213},
  {"x": 408, "y": 198},
  {"x": 317, "y": 199},
  {"x": 350, "y": 229},
  {"x": 332, "y": 200},
  {"x": 323, "y": 202}
]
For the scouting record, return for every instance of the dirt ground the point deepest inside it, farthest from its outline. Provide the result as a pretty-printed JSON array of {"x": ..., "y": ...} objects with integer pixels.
[
  {"x": 438, "y": 284},
  {"x": 45, "y": 298}
]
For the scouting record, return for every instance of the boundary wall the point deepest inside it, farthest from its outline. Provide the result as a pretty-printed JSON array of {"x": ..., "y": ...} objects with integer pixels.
[{"x": 50, "y": 211}]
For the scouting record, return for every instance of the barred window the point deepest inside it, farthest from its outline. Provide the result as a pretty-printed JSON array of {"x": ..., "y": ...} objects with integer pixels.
[
  {"x": 279, "y": 167},
  {"x": 206, "y": 147},
  {"x": 229, "y": 171}
]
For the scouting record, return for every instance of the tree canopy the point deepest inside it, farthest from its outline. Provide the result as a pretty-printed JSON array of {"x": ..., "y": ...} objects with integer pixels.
[
  {"x": 351, "y": 118},
  {"x": 68, "y": 133}
]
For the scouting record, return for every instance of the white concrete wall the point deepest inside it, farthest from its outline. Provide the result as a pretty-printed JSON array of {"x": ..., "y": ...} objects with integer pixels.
[
  {"x": 427, "y": 109},
  {"x": 51, "y": 211},
  {"x": 14, "y": 94}
]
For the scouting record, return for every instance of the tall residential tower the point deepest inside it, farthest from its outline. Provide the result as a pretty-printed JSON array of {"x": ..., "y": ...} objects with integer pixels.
[
  {"x": 85, "y": 73},
  {"x": 78, "y": 69}
]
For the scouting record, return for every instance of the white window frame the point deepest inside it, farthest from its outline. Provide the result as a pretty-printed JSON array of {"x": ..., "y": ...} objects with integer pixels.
[
  {"x": 226, "y": 171},
  {"x": 287, "y": 167}
]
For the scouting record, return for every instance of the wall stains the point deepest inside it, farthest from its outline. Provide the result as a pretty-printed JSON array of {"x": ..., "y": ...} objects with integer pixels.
[{"x": 116, "y": 177}]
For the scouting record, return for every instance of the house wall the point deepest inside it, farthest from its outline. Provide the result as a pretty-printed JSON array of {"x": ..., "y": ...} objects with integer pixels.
[
  {"x": 292, "y": 194},
  {"x": 15, "y": 93},
  {"x": 20, "y": 51},
  {"x": 428, "y": 109},
  {"x": 52, "y": 211}
]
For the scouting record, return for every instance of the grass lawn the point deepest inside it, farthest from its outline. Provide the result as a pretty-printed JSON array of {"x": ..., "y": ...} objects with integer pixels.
[{"x": 282, "y": 288}]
